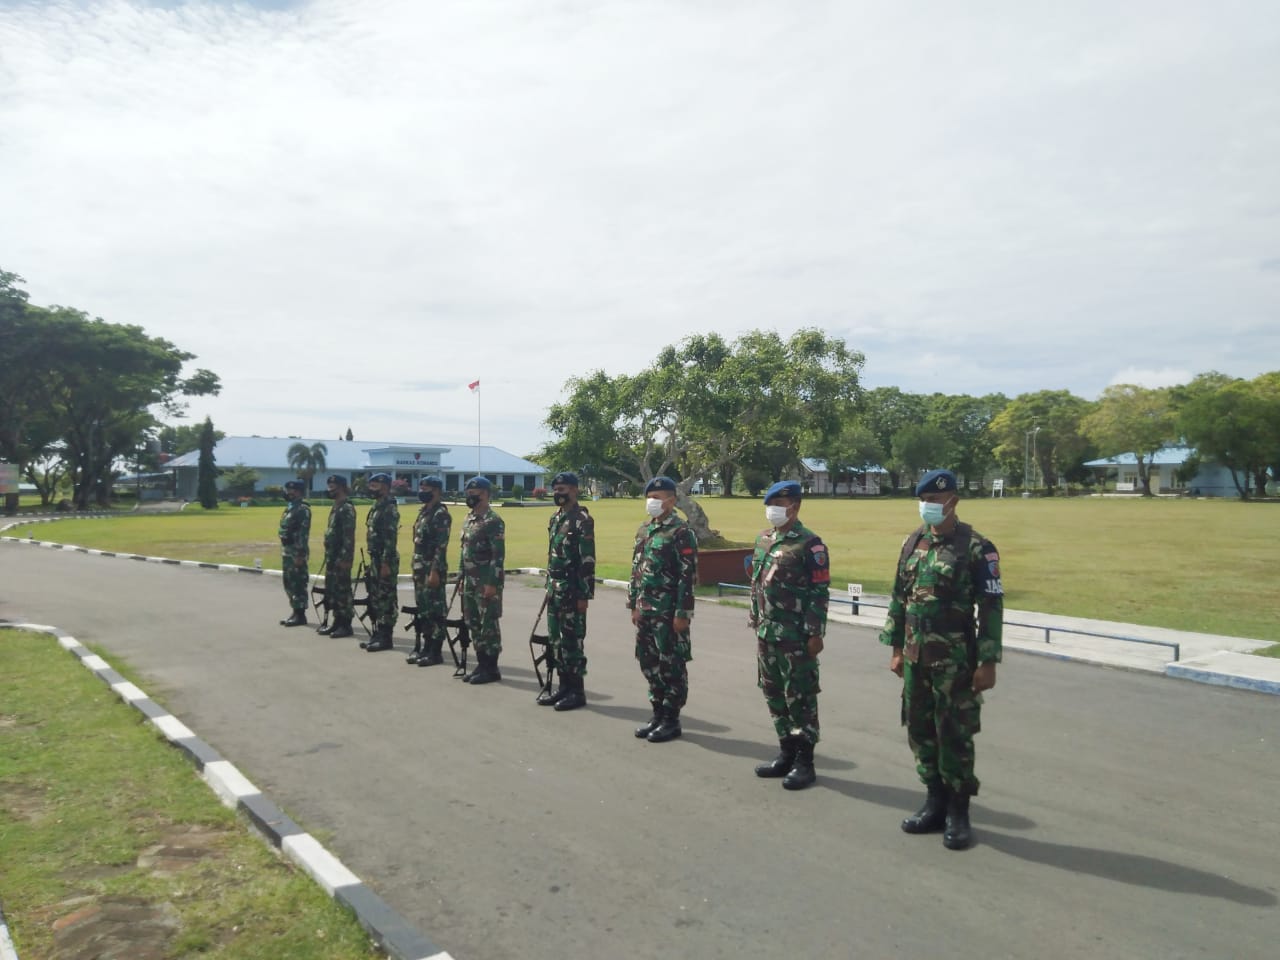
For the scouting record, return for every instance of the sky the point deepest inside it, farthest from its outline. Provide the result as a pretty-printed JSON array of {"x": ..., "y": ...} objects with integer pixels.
[{"x": 352, "y": 209}]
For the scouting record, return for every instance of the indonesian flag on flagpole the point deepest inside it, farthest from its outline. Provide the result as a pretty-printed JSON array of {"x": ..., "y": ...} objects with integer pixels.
[{"x": 473, "y": 386}]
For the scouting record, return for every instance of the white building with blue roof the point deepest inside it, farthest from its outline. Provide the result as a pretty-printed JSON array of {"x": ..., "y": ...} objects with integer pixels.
[
  {"x": 357, "y": 459},
  {"x": 1210, "y": 480}
]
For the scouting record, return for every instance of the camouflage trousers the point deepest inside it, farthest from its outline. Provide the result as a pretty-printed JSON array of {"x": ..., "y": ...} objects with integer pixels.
[
  {"x": 942, "y": 714},
  {"x": 788, "y": 675},
  {"x": 337, "y": 593},
  {"x": 567, "y": 628},
  {"x": 383, "y": 605},
  {"x": 483, "y": 619},
  {"x": 433, "y": 607},
  {"x": 296, "y": 580},
  {"x": 662, "y": 654}
]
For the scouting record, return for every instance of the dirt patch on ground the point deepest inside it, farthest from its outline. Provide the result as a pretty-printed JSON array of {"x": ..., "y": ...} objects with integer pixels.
[
  {"x": 181, "y": 847},
  {"x": 23, "y": 801},
  {"x": 114, "y": 928},
  {"x": 133, "y": 928}
]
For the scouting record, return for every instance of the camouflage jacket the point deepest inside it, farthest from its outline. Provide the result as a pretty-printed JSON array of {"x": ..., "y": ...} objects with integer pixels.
[
  {"x": 431, "y": 532},
  {"x": 484, "y": 548},
  {"x": 790, "y": 580},
  {"x": 948, "y": 601},
  {"x": 381, "y": 527},
  {"x": 571, "y": 554},
  {"x": 295, "y": 528},
  {"x": 340, "y": 534},
  {"x": 664, "y": 565}
]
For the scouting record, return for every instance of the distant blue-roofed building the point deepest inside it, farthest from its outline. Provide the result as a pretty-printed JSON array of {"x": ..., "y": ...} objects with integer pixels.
[
  {"x": 355, "y": 459},
  {"x": 817, "y": 480},
  {"x": 1210, "y": 480}
]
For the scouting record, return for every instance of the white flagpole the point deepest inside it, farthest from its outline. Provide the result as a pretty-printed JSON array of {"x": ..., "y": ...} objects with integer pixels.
[{"x": 478, "y": 473}]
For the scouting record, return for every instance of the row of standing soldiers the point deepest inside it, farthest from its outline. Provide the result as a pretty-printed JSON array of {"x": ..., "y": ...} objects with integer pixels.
[{"x": 943, "y": 627}]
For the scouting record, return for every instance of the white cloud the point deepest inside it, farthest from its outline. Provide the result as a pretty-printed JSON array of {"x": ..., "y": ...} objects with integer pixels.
[{"x": 342, "y": 206}]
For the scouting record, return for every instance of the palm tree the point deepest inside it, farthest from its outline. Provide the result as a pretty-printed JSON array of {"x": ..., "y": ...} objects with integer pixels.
[{"x": 308, "y": 461}]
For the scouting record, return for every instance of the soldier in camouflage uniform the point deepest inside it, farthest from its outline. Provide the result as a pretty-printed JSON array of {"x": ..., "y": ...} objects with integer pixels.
[
  {"x": 484, "y": 553},
  {"x": 664, "y": 565},
  {"x": 295, "y": 551},
  {"x": 946, "y": 654},
  {"x": 382, "y": 527},
  {"x": 431, "y": 532},
  {"x": 790, "y": 579},
  {"x": 339, "y": 553},
  {"x": 571, "y": 582}
]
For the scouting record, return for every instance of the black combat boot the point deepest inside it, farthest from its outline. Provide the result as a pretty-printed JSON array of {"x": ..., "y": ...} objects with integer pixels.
[
  {"x": 930, "y": 817},
  {"x": 667, "y": 729},
  {"x": 801, "y": 774},
  {"x": 487, "y": 672},
  {"x": 643, "y": 731},
  {"x": 296, "y": 619},
  {"x": 340, "y": 629},
  {"x": 549, "y": 697},
  {"x": 381, "y": 640},
  {"x": 417, "y": 650},
  {"x": 957, "y": 836},
  {"x": 327, "y": 628},
  {"x": 780, "y": 765},
  {"x": 575, "y": 696},
  {"x": 431, "y": 654}
]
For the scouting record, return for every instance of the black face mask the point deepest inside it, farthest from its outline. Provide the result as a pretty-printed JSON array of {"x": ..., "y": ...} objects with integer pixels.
[
  {"x": 426, "y": 496},
  {"x": 560, "y": 498},
  {"x": 473, "y": 499}
]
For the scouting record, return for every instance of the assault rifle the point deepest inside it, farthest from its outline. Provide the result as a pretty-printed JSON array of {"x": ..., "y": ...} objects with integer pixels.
[
  {"x": 363, "y": 577},
  {"x": 460, "y": 638},
  {"x": 320, "y": 598},
  {"x": 546, "y": 659}
]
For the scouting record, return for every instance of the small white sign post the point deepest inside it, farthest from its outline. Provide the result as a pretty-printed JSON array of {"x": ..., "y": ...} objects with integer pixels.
[{"x": 855, "y": 595}]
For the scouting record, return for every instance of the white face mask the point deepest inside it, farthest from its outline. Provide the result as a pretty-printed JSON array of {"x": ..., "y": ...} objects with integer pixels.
[
  {"x": 776, "y": 516},
  {"x": 932, "y": 513},
  {"x": 654, "y": 506}
]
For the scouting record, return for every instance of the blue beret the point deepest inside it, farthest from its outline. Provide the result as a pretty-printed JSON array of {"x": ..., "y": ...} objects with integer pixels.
[
  {"x": 381, "y": 478},
  {"x": 660, "y": 484},
  {"x": 432, "y": 481},
  {"x": 294, "y": 485},
  {"x": 339, "y": 479},
  {"x": 479, "y": 483},
  {"x": 784, "y": 488},
  {"x": 936, "y": 481},
  {"x": 567, "y": 477}
]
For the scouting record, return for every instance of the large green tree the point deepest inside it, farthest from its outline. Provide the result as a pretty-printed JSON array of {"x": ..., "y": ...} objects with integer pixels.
[
  {"x": 1132, "y": 419},
  {"x": 703, "y": 406},
  {"x": 1235, "y": 423},
  {"x": 849, "y": 453},
  {"x": 1047, "y": 424},
  {"x": 886, "y": 411},
  {"x": 966, "y": 422}
]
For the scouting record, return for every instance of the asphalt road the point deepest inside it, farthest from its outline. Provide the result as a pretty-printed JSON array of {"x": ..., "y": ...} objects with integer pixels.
[{"x": 1122, "y": 814}]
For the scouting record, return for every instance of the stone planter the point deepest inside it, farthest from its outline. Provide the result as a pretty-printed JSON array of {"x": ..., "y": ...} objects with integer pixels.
[{"x": 723, "y": 566}]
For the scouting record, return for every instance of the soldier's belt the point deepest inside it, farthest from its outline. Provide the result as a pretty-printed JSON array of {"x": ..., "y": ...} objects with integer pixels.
[{"x": 952, "y": 622}]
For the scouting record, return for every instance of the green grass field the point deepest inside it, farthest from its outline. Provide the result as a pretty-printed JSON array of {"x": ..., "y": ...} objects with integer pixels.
[
  {"x": 1200, "y": 565},
  {"x": 86, "y": 789}
]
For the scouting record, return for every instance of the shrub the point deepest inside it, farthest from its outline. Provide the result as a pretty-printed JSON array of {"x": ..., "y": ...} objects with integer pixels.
[
  {"x": 517, "y": 491},
  {"x": 539, "y": 493}
]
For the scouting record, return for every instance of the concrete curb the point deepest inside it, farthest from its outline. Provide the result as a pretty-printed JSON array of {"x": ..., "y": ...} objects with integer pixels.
[{"x": 386, "y": 927}]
